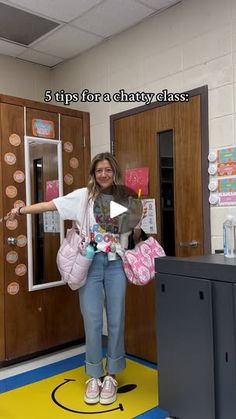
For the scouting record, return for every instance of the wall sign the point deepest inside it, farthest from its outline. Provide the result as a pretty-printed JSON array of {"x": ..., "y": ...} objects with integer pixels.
[
  {"x": 227, "y": 191},
  {"x": 43, "y": 128},
  {"x": 222, "y": 183},
  {"x": 149, "y": 222},
  {"x": 226, "y": 161}
]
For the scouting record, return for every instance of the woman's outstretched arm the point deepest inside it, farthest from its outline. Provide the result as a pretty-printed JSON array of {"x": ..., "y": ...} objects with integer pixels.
[{"x": 32, "y": 209}]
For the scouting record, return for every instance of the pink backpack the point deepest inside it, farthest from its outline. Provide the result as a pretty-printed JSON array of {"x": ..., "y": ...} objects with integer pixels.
[
  {"x": 138, "y": 263},
  {"x": 72, "y": 264}
]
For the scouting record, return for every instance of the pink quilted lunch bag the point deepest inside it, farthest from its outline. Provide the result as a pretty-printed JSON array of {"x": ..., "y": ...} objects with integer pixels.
[
  {"x": 72, "y": 265},
  {"x": 138, "y": 263}
]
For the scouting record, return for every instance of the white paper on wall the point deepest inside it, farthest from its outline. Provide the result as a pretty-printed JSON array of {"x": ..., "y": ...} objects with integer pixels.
[
  {"x": 51, "y": 222},
  {"x": 149, "y": 224}
]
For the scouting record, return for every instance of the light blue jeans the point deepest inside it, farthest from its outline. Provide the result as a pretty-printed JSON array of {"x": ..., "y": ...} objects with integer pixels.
[{"x": 106, "y": 280}]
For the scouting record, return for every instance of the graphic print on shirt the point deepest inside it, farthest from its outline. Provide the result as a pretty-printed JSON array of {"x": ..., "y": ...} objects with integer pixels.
[{"x": 106, "y": 229}]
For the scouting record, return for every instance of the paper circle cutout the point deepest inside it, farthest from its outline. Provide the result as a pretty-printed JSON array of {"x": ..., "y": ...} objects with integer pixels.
[
  {"x": 68, "y": 179},
  {"x": 12, "y": 256},
  {"x": 68, "y": 147},
  {"x": 19, "y": 176},
  {"x": 10, "y": 158},
  {"x": 21, "y": 240},
  {"x": 19, "y": 203},
  {"x": 15, "y": 140},
  {"x": 11, "y": 191},
  {"x": 11, "y": 224},
  {"x": 20, "y": 269},
  {"x": 74, "y": 163},
  {"x": 13, "y": 288}
]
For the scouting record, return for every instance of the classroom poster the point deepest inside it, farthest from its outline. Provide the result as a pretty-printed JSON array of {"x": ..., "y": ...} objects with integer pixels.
[
  {"x": 227, "y": 191},
  {"x": 137, "y": 179},
  {"x": 52, "y": 190}
]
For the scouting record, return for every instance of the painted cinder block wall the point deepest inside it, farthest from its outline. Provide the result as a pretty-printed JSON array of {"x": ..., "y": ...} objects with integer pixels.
[{"x": 189, "y": 45}]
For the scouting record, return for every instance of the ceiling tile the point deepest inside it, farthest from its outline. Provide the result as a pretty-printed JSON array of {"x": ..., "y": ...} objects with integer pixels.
[
  {"x": 158, "y": 4},
  {"x": 90, "y": 21},
  {"x": 112, "y": 17},
  {"x": 66, "y": 42},
  {"x": 22, "y": 27},
  {"x": 39, "y": 58},
  {"x": 58, "y": 9},
  {"x": 9, "y": 48}
]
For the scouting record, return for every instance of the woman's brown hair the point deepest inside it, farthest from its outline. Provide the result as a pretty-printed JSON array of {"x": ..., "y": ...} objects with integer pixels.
[{"x": 93, "y": 187}]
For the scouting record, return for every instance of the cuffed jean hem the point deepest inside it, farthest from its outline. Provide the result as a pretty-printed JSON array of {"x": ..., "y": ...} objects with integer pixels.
[
  {"x": 113, "y": 366},
  {"x": 94, "y": 370}
]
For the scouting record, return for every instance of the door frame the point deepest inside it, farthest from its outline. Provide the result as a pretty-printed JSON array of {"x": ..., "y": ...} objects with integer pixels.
[{"x": 203, "y": 93}]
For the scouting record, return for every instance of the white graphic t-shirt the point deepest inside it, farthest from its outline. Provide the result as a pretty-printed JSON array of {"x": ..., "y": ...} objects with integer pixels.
[{"x": 102, "y": 229}]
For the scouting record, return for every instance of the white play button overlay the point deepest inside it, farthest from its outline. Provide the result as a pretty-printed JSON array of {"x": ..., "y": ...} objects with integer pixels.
[{"x": 116, "y": 209}]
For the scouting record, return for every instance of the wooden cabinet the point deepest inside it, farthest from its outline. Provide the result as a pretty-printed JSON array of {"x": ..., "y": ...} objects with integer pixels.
[{"x": 37, "y": 321}]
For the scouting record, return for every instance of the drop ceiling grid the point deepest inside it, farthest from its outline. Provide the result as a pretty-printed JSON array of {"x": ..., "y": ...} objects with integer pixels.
[{"x": 82, "y": 25}]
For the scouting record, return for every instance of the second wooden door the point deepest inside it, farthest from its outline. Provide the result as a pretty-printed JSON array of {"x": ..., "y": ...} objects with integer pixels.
[{"x": 136, "y": 141}]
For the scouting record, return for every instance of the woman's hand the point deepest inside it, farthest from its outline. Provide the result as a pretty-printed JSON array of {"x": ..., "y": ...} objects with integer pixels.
[
  {"x": 137, "y": 235},
  {"x": 15, "y": 212}
]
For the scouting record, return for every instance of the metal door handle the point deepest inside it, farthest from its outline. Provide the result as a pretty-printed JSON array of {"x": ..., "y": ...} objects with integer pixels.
[
  {"x": 11, "y": 241},
  {"x": 193, "y": 243}
]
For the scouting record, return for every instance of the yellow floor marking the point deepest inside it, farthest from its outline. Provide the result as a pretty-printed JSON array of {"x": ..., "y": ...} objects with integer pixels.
[{"x": 61, "y": 397}]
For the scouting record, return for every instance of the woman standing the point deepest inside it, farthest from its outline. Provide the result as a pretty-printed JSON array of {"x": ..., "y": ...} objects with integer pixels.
[{"x": 106, "y": 281}]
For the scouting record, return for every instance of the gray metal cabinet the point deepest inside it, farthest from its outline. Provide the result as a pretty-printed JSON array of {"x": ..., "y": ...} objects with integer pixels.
[{"x": 196, "y": 336}]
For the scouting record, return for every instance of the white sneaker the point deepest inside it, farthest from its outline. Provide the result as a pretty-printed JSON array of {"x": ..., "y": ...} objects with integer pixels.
[
  {"x": 92, "y": 392},
  {"x": 109, "y": 390}
]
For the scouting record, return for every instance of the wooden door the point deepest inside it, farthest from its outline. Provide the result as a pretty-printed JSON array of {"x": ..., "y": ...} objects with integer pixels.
[
  {"x": 136, "y": 144},
  {"x": 37, "y": 321}
]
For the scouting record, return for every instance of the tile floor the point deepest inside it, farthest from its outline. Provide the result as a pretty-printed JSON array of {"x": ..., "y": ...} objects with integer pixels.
[{"x": 24, "y": 373}]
